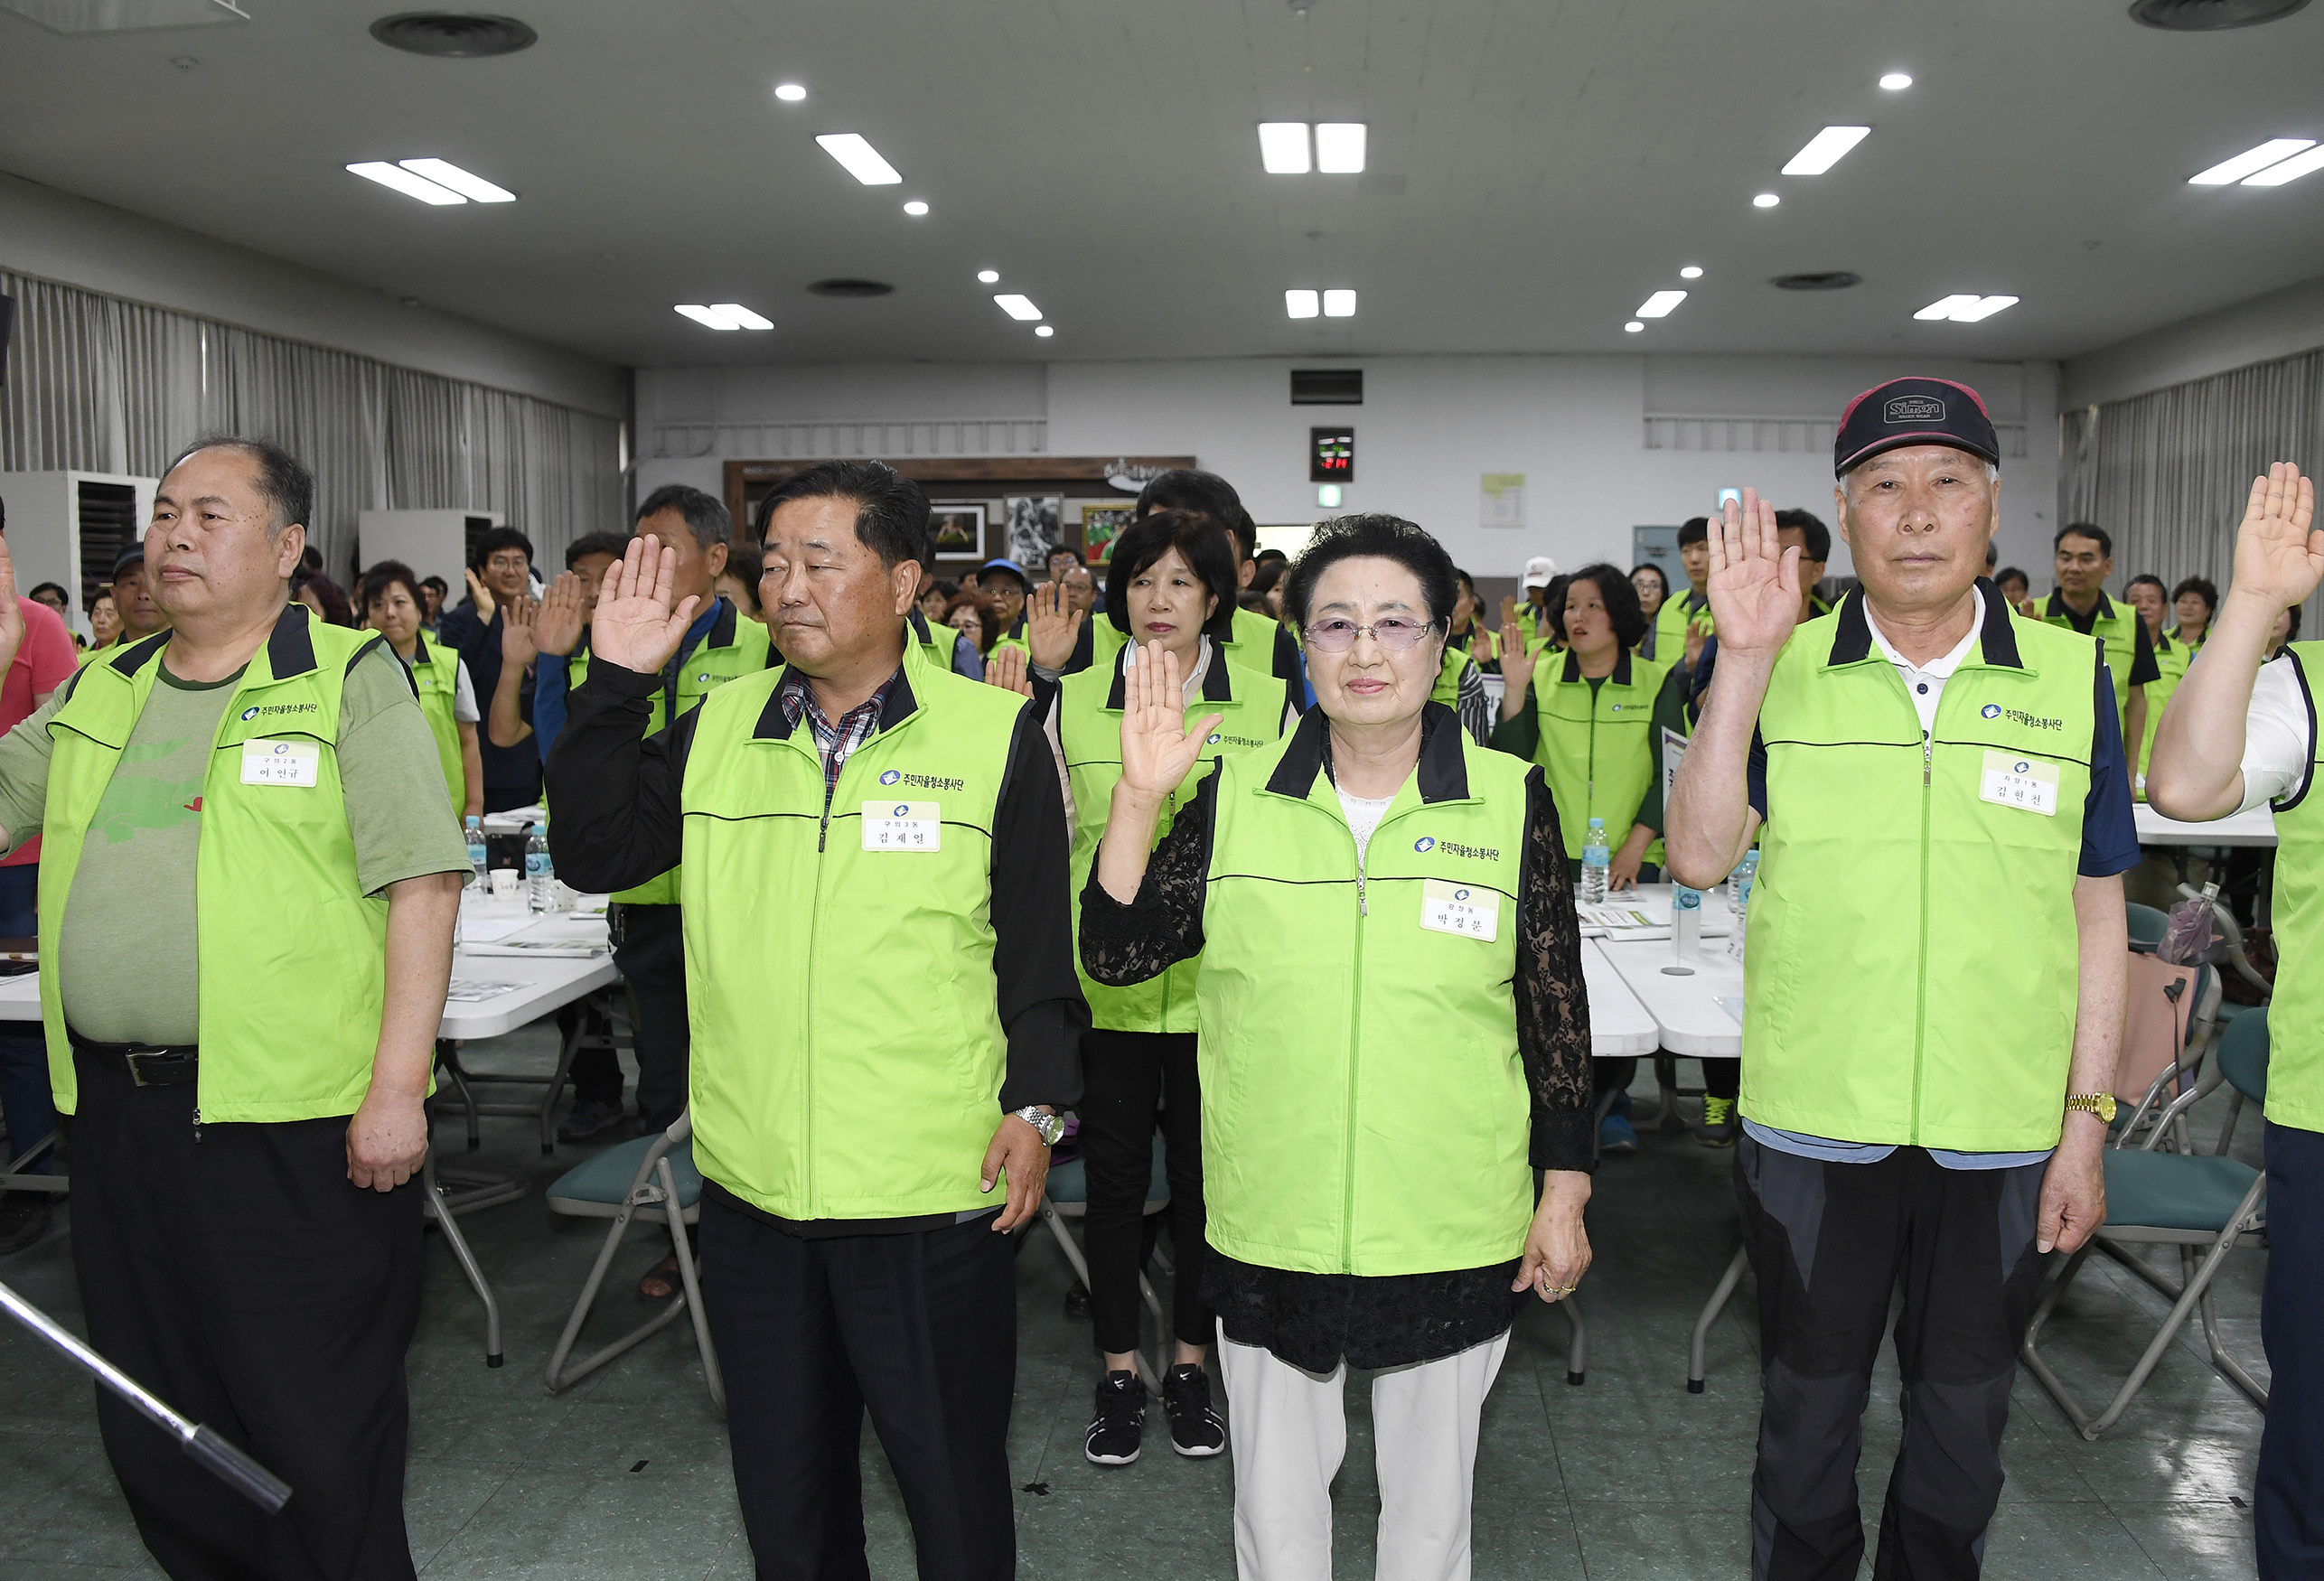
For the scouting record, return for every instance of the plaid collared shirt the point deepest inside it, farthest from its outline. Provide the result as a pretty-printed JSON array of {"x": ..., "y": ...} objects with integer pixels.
[{"x": 834, "y": 739}]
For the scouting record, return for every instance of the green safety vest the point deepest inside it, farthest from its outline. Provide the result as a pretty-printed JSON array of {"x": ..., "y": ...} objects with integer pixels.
[
  {"x": 847, "y": 1045},
  {"x": 2295, "y": 1019},
  {"x": 1012, "y": 638},
  {"x": 1089, "y": 728},
  {"x": 1911, "y": 973},
  {"x": 929, "y": 636},
  {"x": 1597, "y": 750},
  {"x": 1251, "y": 643},
  {"x": 1448, "y": 687},
  {"x": 293, "y": 954},
  {"x": 2171, "y": 658},
  {"x": 435, "y": 676},
  {"x": 733, "y": 647},
  {"x": 1331, "y": 1092},
  {"x": 1670, "y": 623},
  {"x": 2117, "y": 626}
]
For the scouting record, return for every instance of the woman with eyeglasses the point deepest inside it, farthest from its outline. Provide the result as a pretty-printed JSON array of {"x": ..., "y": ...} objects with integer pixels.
[
  {"x": 1393, "y": 1038},
  {"x": 1652, "y": 587}
]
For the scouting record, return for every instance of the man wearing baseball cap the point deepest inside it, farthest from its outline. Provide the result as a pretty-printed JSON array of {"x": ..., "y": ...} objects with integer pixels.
[
  {"x": 1534, "y": 617},
  {"x": 1934, "y": 974},
  {"x": 132, "y": 601}
]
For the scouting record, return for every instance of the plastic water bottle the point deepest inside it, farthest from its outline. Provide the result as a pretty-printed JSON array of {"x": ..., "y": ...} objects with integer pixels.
[
  {"x": 478, "y": 879},
  {"x": 1739, "y": 899},
  {"x": 539, "y": 871},
  {"x": 1595, "y": 862},
  {"x": 1686, "y": 921}
]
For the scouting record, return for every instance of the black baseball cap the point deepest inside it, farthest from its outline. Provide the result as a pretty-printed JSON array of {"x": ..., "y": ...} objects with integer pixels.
[
  {"x": 135, "y": 554},
  {"x": 1913, "y": 411}
]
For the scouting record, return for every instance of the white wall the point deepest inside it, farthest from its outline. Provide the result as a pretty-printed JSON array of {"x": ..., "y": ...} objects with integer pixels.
[
  {"x": 2282, "y": 324},
  {"x": 70, "y": 239}
]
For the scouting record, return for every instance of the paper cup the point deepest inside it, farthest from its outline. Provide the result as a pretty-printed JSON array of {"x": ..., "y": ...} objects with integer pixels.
[{"x": 504, "y": 882}]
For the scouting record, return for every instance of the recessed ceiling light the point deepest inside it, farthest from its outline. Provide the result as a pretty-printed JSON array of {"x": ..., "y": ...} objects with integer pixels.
[
  {"x": 1691, "y": 272},
  {"x": 1045, "y": 331},
  {"x": 1825, "y": 149},
  {"x": 915, "y": 208},
  {"x": 1339, "y": 305},
  {"x": 860, "y": 159},
  {"x": 1017, "y": 306},
  {"x": 2290, "y": 170},
  {"x": 1339, "y": 147},
  {"x": 1895, "y": 81},
  {"x": 742, "y": 316},
  {"x": 445, "y": 173},
  {"x": 1660, "y": 304},
  {"x": 404, "y": 181},
  {"x": 789, "y": 92},
  {"x": 1966, "y": 308},
  {"x": 1633, "y": 327},
  {"x": 1301, "y": 304},
  {"x": 988, "y": 276},
  {"x": 1283, "y": 147},
  {"x": 2249, "y": 162},
  {"x": 709, "y": 318},
  {"x": 1766, "y": 200}
]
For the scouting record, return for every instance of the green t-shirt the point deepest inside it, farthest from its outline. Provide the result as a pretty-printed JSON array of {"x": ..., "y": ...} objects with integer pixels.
[{"x": 126, "y": 960}]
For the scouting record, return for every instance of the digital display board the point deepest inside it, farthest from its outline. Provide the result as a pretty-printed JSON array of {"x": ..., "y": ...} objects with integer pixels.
[{"x": 1331, "y": 456}]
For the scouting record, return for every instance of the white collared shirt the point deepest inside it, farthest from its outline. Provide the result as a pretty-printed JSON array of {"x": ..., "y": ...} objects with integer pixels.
[{"x": 1926, "y": 682}]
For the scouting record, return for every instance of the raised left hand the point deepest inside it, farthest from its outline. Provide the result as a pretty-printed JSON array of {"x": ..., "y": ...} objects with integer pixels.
[
  {"x": 1007, "y": 669},
  {"x": 1557, "y": 1247},
  {"x": 1018, "y": 1152},
  {"x": 2073, "y": 1186},
  {"x": 386, "y": 1140},
  {"x": 1052, "y": 627}
]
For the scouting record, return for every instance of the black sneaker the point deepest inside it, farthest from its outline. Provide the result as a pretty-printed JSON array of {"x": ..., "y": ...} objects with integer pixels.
[
  {"x": 1196, "y": 1430},
  {"x": 588, "y": 1119},
  {"x": 1119, "y": 1423}
]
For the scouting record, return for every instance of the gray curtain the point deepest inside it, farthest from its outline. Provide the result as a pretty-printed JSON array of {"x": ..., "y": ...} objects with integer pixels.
[
  {"x": 2168, "y": 472},
  {"x": 106, "y": 385}
]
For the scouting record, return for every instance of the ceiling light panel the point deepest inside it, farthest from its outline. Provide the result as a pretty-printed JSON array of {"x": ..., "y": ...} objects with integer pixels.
[
  {"x": 742, "y": 317},
  {"x": 445, "y": 173},
  {"x": 915, "y": 208},
  {"x": 2290, "y": 170},
  {"x": 709, "y": 318},
  {"x": 860, "y": 159},
  {"x": 1283, "y": 147},
  {"x": 2251, "y": 161},
  {"x": 789, "y": 92},
  {"x": 400, "y": 180},
  {"x": 1339, "y": 305},
  {"x": 1766, "y": 200},
  {"x": 1825, "y": 149},
  {"x": 1633, "y": 327},
  {"x": 1691, "y": 272},
  {"x": 1660, "y": 304},
  {"x": 1017, "y": 306},
  {"x": 1044, "y": 331},
  {"x": 1301, "y": 304},
  {"x": 988, "y": 276},
  {"x": 1943, "y": 306},
  {"x": 1966, "y": 308},
  {"x": 1895, "y": 81},
  {"x": 1339, "y": 147}
]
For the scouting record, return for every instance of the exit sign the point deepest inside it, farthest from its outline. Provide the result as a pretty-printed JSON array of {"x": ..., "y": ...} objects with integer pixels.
[{"x": 1331, "y": 456}]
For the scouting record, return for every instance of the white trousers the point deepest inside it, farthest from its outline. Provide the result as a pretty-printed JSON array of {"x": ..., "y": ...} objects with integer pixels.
[{"x": 1290, "y": 1433}]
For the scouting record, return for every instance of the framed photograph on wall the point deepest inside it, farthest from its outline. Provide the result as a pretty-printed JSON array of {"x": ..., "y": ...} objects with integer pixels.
[
  {"x": 957, "y": 532},
  {"x": 1035, "y": 522},
  {"x": 1102, "y": 523}
]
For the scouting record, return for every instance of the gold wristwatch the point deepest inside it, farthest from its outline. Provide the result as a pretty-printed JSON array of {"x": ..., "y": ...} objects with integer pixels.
[{"x": 2101, "y": 1104}]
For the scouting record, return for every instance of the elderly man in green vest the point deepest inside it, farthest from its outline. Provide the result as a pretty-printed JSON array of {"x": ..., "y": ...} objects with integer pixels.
[
  {"x": 1933, "y": 984},
  {"x": 885, "y": 1017},
  {"x": 2085, "y": 555},
  {"x": 249, "y": 877},
  {"x": 2239, "y": 733}
]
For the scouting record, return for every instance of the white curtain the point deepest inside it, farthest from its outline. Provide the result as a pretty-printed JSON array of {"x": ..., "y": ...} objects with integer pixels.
[
  {"x": 102, "y": 384},
  {"x": 2168, "y": 472}
]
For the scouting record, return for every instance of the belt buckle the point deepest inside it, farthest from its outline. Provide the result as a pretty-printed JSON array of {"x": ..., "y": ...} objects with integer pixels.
[{"x": 136, "y": 1062}]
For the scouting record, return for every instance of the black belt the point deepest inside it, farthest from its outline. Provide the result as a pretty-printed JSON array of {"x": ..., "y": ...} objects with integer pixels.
[{"x": 146, "y": 1064}]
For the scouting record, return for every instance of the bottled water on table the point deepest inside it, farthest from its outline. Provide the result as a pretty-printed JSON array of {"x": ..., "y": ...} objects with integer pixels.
[
  {"x": 1686, "y": 921},
  {"x": 1595, "y": 863},
  {"x": 477, "y": 878},
  {"x": 539, "y": 871},
  {"x": 1739, "y": 899}
]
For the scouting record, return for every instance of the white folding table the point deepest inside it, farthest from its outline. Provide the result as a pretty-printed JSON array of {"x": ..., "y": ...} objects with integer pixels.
[
  {"x": 2254, "y": 827},
  {"x": 1619, "y": 1026}
]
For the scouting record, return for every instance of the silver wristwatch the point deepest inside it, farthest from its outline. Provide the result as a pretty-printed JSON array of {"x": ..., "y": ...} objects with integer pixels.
[{"x": 1051, "y": 1126}]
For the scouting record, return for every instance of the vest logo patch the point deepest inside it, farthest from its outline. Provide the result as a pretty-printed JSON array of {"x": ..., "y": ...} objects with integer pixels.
[
  {"x": 923, "y": 781},
  {"x": 890, "y": 776},
  {"x": 2019, "y": 716},
  {"x": 252, "y": 713},
  {"x": 1455, "y": 849},
  {"x": 1991, "y": 710},
  {"x": 1424, "y": 844},
  {"x": 1913, "y": 409},
  {"x": 1217, "y": 736}
]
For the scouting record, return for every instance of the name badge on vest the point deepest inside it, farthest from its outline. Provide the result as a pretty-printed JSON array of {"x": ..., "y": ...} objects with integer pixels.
[
  {"x": 2014, "y": 782},
  {"x": 282, "y": 763},
  {"x": 903, "y": 826},
  {"x": 1471, "y": 911}
]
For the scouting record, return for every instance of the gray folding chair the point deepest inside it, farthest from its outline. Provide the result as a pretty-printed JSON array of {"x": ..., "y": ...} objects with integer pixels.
[
  {"x": 2205, "y": 1204},
  {"x": 651, "y": 1173},
  {"x": 437, "y": 1203}
]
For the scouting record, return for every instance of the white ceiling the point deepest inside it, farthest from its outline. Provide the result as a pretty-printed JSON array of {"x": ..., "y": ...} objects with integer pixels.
[{"x": 1558, "y": 160}]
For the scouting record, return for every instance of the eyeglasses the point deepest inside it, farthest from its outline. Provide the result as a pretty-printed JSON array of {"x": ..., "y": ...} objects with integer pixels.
[{"x": 1395, "y": 635}]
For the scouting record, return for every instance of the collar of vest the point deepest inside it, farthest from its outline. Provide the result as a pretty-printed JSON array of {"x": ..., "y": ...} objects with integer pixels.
[
  {"x": 722, "y": 629},
  {"x": 290, "y": 649},
  {"x": 2056, "y": 606},
  {"x": 1620, "y": 677},
  {"x": 922, "y": 631},
  {"x": 1217, "y": 688},
  {"x": 1997, "y": 641},
  {"x": 1442, "y": 770},
  {"x": 420, "y": 658},
  {"x": 902, "y": 702}
]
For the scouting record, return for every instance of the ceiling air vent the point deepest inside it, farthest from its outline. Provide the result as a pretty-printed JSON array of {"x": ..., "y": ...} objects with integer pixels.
[
  {"x": 1819, "y": 280},
  {"x": 846, "y": 287},
  {"x": 2209, "y": 16},
  {"x": 1327, "y": 387},
  {"x": 453, "y": 35}
]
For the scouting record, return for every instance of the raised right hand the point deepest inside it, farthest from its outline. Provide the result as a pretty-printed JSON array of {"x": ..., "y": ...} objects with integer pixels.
[
  {"x": 1052, "y": 626},
  {"x": 1755, "y": 582},
  {"x": 2277, "y": 556},
  {"x": 480, "y": 593},
  {"x": 1158, "y": 748},
  {"x": 556, "y": 628},
  {"x": 634, "y": 626},
  {"x": 1007, "y": 669},
  {"x": 517, "y": 644}
]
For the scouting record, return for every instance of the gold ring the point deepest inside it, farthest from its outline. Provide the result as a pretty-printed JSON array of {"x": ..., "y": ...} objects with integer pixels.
[{"x": 1562, "y": 1289}]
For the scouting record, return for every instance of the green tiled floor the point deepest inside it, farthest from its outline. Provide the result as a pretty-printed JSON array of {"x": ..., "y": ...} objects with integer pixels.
[{"x": 1628, "y": 1476}]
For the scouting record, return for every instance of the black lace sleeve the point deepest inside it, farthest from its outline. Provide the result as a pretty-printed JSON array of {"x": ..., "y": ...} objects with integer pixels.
[
  {"x": 1552, "y": 1006},
  {"x": 1122, "y": 944}
]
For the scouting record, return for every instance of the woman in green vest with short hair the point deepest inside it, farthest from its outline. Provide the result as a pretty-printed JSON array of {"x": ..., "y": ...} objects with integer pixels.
[
  {"x": 392, "y": 604},
  {"x": 2145, "y": 594},
  {"x": 2192, "y": 603},
  {"x": 1393, "y": 1037}
]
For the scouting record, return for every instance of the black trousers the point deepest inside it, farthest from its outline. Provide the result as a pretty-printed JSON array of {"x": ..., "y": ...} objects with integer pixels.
[
  {"x": 921, "y": 1329},
  {"x": 2288, "y": 1508},
  {"x": 1828, "y": 1242},
  {"x": 1131, "y": 1081},
  {"x": 650, "y": 947},
  {"x": 244, "y": 1280}
]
